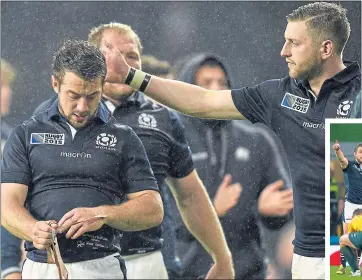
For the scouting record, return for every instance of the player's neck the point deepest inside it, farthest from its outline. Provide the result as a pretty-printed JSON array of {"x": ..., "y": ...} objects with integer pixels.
[{"x": 330, "y": 69}]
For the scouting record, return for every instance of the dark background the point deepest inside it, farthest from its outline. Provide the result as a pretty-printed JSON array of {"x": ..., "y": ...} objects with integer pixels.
[{"x": 249, "y": 35}]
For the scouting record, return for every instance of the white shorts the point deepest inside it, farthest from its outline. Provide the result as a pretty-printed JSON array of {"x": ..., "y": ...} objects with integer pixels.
[
  {"x": 104, "y": 268},
  {"x": 307, "y": 268},
  {"x": 349, "y": 208},
  {"x": 146, "y": 266}
]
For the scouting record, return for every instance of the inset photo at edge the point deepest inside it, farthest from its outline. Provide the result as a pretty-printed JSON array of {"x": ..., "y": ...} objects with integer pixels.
[{"x": 344, "y": 183}]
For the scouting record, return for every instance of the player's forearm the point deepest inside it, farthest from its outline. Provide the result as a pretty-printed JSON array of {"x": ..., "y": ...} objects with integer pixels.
[
  {"x": 186, "y": 98},
  {"x": 204, "y": 224},
  {"x": 17, "y": 220},
  {"x": 341, "y": 158},
  {"x": 142, "y": 212}
]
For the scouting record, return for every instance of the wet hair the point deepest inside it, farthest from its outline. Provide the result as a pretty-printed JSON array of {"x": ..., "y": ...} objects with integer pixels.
[
  {"x": 81, "y": 58},
  {"x": 357, "y": 212},
  {"x": 96, "y": 33},
  {"x": 327, "y": 21}
]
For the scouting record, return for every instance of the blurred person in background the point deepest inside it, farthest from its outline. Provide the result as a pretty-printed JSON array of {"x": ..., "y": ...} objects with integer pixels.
[
  {"x": 352, "y": 171},
  {"x": 240, "y": 166},
  {"x": 7, "y": 79},
  {"x": 284, "y": 251},
  {"x": 156, "y": 67},
  {"x": 10, "y": 245},
  {"x": 320, "y": 85},
  {"x": 163, "y": 137},
  {"x": 162, "y": 68},
  {"x": 352, "y": 242}
]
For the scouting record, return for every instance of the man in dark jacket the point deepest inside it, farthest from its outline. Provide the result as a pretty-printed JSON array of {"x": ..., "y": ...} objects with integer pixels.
[{"x": 228, "y": 155}]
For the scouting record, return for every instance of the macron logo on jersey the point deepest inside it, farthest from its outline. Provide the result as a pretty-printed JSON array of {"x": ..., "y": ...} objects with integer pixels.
[
  {"x": 47, "y": 138},
  {"x": 295, "y": 103}
]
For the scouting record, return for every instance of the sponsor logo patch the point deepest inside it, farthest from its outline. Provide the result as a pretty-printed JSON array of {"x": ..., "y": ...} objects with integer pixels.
[
  {"x": 75, "y": 155},
  {"x": 295, "y": 103},
  {"x": 314, "y": 125},
  {"x": 47, "y": 138}
]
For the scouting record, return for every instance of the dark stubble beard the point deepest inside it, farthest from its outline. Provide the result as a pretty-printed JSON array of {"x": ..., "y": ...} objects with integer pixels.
[{"x": 90, "y": 117}]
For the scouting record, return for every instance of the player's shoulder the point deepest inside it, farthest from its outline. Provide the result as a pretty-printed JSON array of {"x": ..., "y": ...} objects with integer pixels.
[{"x": 117, "y": 126}]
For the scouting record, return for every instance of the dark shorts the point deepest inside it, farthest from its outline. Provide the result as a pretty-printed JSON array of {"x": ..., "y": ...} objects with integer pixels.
[{"x": 356, "y": 239}]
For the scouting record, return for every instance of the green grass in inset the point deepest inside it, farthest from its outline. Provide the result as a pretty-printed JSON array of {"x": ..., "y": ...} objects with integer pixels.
[{"x": 335, "y": 276}]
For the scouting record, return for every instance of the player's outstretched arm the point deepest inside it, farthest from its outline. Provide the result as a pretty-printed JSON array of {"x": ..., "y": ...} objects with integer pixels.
[
  {"x": 343, "y": 161},
  {"x": 185, "y": 98}
]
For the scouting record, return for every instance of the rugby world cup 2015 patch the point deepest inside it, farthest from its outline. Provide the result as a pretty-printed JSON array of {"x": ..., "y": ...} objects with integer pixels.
[
  {"x": 47, "y": 138},
  {"x": 295, "y": 103}
]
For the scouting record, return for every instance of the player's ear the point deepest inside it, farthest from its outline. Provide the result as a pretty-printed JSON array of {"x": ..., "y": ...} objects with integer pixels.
[{"x": 55, "y": 84}]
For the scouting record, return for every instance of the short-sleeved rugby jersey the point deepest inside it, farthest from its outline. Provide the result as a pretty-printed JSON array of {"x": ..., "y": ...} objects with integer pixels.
[
  {"x": 164, "y": 140},
  {"x": 163, "y": 137},
  {"x": 297, "y": 116},
  {"x": 99, "y": 166}
]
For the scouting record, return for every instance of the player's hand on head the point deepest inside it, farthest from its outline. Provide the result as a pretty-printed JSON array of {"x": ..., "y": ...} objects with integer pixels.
[
  {"x": 273, "y": 201},
  {"x": 226, "y": 196},
  {"x": 79, "y": 221},
  {"x": 117, "y": 67},
  {"x": 42, "y": 234},
  {"x": 336, "y": 146}
]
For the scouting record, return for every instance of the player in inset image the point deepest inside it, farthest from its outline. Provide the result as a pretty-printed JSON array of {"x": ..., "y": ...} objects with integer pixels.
[
  {"x": 352, "y": 171},
  {"x": 352, "y": 241}
]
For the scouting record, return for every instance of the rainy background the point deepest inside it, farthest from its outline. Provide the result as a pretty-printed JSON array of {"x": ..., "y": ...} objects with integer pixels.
[{"x": 249, "y": 35}]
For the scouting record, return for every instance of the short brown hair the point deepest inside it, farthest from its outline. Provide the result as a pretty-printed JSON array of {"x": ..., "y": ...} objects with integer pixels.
[
  {"x": 96, "y": 33},
  {"x": 358, "y": 146},
  {"x": 327, "y": 20},
  {"x": 7, "y": 72}
]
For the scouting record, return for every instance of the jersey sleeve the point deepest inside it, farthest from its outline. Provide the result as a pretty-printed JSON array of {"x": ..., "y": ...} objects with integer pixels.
[
  {"x": 137, "y": 174},
  {"x": 180, "y": 163},
  {"x": 348, "y": 167},
  {"x": 255, "y": 103},
  {"x": 15, "y": 164}
]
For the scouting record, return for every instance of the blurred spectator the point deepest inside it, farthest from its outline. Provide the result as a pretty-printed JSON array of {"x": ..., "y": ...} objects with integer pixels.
[
  {"x": 284, "y": 252},
  {"x": 10, "y": 245},
  {"x": 7, "y": 78},
  {"x": 238, "y": 165},
  {"x": 154, "y": 66},
  {"x": 159, "y": 68}
]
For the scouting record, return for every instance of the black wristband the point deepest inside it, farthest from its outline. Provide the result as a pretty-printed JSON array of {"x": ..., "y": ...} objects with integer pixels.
[
  {"x": 130, "y": 76},
  {"x": 145, "y": 82}
]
